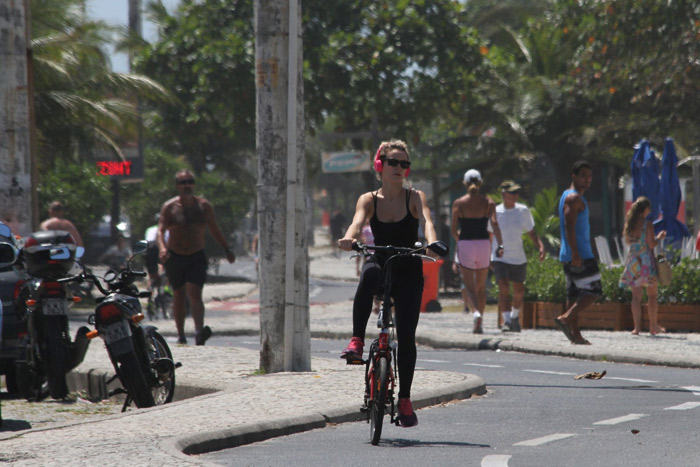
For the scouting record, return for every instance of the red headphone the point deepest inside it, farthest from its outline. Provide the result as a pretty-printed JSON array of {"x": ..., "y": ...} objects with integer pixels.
[{"x": 379, "y": 165}]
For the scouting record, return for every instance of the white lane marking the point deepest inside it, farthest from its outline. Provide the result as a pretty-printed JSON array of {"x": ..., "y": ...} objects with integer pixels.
[
  {"x": 631, "y": 379},
  {"x": 550, "y": 372},
  {"x": 545, "y": 439},
  {"x": 484, "y": 366},
  {"x": 432, "y": 361},
  {"x": 626, "y": 418},
  {"x": 694, "y": 389},
  {"x": 495, "y": 461},
  {"x": 686, "y": 406},
  {"x": 316, "y": 291}
]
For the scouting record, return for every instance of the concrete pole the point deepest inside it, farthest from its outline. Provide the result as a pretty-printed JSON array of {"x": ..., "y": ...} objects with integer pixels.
[
  {"x": 15, "y": 129},
  {"x": 283, "y": 245}
]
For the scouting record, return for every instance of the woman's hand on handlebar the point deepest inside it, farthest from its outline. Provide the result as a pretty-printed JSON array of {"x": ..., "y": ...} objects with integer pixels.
[{"x": 346, "y": 243}]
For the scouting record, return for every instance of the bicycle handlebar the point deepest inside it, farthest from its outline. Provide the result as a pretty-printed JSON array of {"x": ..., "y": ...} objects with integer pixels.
[{"x": 438, "y": 247}]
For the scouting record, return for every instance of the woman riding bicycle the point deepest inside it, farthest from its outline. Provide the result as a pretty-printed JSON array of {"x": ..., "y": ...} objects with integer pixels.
[{"x": 394, "y": 213}]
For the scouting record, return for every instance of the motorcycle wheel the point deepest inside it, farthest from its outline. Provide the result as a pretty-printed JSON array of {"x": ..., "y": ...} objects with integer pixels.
[
  {"x": 56, "y": 365},
  {"x": 11, "y": 382},
  {"x": 164, "y": 391},
  {"x": 31, "y": 384},
  {"x": 134, "y": 380}
]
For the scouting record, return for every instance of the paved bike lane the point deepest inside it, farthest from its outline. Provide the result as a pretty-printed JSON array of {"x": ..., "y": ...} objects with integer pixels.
[{"x": 233, "y": 405}]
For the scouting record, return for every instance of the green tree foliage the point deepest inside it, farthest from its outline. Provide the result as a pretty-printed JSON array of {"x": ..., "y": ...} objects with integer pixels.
[
  {"x": 229, "y": 200},
  {"x": 544, "y": 211},
  {"x": 404, "y": 62},
  {"x": 85, "y": 195},
  {"x": 83, "y": 109},
  {"x": 146, "y": 198},
  {"x": 587, "y": 79},
  {"x": 206, "y": 57},
  {"x": 636, "y": 68},
  {"x": 401, "y": 63}
]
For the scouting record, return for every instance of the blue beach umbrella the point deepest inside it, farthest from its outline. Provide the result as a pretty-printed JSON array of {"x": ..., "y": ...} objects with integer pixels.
[
  {"x": 670, "y": 196},
  {"x": 645, "y": 176}
]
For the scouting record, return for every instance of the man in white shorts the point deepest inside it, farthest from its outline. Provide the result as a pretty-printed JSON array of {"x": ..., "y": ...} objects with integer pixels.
[{"x": 514, "y": 219}]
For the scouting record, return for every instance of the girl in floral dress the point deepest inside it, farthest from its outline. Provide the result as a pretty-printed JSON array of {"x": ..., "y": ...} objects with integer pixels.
[{"x": 640, "y": 268}]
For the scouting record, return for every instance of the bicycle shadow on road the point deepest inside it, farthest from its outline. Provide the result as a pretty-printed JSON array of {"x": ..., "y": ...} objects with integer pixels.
[{"x": 411, "y": 443}]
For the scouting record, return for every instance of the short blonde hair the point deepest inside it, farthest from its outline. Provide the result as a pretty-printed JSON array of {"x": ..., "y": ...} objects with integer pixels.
[{"x": 386, "y": 146}]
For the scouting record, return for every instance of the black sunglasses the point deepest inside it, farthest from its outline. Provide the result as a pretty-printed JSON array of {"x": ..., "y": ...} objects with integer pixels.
[
  {"x": 186, "y": 181},
  {"x": 395, "y": 162}
]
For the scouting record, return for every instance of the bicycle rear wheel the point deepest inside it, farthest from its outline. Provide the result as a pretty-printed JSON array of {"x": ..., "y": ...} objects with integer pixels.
[{"x": 380, "y": 387}]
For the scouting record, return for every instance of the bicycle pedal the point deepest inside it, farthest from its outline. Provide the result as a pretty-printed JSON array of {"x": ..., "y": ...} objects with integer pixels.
[
  {"x": 355, "y": 361},
  {"x": 178, "y": 364}
]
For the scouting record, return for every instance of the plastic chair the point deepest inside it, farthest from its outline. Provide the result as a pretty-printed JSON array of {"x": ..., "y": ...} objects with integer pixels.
[{"x": 604, "y": 256}]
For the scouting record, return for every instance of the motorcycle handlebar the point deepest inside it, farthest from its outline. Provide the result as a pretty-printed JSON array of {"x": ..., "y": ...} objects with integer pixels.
[{"x": 83, "y": 277}]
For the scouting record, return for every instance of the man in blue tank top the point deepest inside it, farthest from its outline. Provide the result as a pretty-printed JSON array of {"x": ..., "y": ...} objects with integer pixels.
[{"x": 583, "y": 285}]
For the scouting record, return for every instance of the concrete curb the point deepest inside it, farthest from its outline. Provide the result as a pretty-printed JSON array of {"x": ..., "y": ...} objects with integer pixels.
[
  {"x": 472, "y": 342},
  {"x": 202, "y": 443},
  {"x": 579, "y": 352}
]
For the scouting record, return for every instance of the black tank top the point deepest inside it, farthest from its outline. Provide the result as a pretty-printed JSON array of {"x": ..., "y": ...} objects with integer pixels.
[
  {"x": 473, "y": 228},
  {"x": 401, "y": 233}
]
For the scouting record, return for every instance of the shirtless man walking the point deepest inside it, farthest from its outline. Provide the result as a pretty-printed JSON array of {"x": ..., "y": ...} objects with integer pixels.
[
  {"x": 186, "y": 218},
  {"x": 57, "y": 222}
]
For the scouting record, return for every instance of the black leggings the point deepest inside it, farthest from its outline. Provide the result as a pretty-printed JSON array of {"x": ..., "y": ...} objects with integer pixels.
[{"x": 407, "y": 291}]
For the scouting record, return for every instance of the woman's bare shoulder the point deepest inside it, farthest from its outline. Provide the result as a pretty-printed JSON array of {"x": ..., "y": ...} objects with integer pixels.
[{"x": 461, "y": 200}]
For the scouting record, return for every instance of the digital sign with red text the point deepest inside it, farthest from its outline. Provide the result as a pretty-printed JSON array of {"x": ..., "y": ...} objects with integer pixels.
[{"x": 110, "y": 168}]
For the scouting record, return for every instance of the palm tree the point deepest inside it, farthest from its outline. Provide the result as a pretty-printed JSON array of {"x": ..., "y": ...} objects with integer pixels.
[{"x": 82, "y": 107}]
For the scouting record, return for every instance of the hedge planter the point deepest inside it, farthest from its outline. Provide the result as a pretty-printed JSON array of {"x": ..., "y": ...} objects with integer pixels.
[
  {"x": 607, "y": 315},
  {"x": 675, "y": 317},
  {"x": 545, "y": 312},
  {"x": 527, "y": 315}
]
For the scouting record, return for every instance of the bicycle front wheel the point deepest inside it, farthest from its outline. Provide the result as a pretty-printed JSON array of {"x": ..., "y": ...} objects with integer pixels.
[{"x": 380, "y": 388}]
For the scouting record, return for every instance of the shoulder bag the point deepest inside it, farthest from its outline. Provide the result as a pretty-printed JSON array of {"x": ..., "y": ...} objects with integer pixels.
[{"x": 663, "y": 269}]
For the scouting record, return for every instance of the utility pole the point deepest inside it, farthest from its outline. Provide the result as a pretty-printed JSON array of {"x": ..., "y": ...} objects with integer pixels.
[
  {"x": 285, "y": 343},
  {"x": 16, "y": 193}
]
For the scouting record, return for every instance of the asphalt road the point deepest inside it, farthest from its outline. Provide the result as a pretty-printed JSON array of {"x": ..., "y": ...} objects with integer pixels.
[{"x": 535, "y": 413}]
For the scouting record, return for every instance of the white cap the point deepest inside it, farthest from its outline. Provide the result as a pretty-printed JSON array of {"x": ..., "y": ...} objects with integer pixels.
[{"x": 472, "y": 174}]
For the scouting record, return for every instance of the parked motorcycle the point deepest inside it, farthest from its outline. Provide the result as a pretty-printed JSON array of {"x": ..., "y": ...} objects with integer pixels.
[
  {"x": 140, "y": 355},
  {"x": 47, "y": 353},
  {"x": 8, "y": 256}
]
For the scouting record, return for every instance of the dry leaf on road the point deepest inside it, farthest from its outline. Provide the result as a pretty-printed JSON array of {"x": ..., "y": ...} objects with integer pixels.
[{"x": 591, "y": 375}]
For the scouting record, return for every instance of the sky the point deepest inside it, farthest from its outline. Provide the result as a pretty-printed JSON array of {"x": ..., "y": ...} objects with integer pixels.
[{"x": 115, "y": 12}]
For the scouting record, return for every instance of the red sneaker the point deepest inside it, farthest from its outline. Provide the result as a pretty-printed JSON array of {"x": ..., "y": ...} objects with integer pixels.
[
  {"x": 407, "y": 417},
  {"x": 353, "y": 352}
]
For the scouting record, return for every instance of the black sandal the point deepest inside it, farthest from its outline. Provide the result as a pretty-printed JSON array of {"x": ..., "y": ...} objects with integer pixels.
[{"x": 563, "y": 327}]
